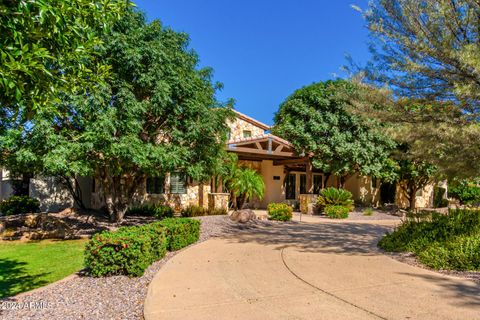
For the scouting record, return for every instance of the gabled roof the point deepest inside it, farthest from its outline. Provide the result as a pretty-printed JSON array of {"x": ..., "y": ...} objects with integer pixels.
[
  {"x": 261, "y": 137},
  {"x": 252, "y": 121},
  {"x": 264, "y": 146}
]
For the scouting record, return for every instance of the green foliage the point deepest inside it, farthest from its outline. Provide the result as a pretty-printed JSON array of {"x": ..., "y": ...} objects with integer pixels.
[
  {"x": 368, "y": 212},
  {"x": 247, "y": 184},
  {"x": 443, "y": 241},
  {"x": 279, "y": 211},
  {"x": 19, "y": 205},
  {"x": 158, "y": 211},
  {"x": 318, "y": 120},
  {"x": 428, "y": 49},
  {"x": 181, "y": 232},
  {"x": 336, "y": 197},
  {"x": 197, "y": 211},
  {"x": 429, "y": 53},
  {"x": 130, "y": 250},
  {"x": 336, "y": 211},
  {"x": 412, "y": 176},
  {"x": 156, "y": 114},
  {"x": 49, "y": 48},
  {"x": 467, "y": 191}
]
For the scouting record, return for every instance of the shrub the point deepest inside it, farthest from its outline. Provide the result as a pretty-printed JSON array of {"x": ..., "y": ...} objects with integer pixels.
[
  {"x": 197, "y": 211},
  {"x": 181, "y": 232},
  {"x": 19, "y": 205},
  {"x": 443, "y": 241},
  {"x": 460, "y": 253},
  {"x": 279, "y": 211},
  {"x": 158, "y": 211},
  {"x": 336, "y": 212},
  {"x": 335, "y": 197},
  {"x": 130, "y": 250},
  {"x": 466, "y": 192},
  {"x": 368, "y": 212}
]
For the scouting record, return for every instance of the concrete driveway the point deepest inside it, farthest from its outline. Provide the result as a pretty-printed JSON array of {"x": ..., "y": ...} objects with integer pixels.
[{"x": 307, "y": 270}]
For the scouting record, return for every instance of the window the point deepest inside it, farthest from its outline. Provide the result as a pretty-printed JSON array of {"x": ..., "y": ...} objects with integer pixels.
[
  {"x": 375, "y": 183},
  {"x": 93, "y": 186},
  {"x": 156, "y": 185},
  {"x": 247, "y": 133},
  {"x": 303, "y": 183},
  {"x": 317, "y": 184},
  {"x": 178, "y": 182},
  {"x": 290, "y": 186}
]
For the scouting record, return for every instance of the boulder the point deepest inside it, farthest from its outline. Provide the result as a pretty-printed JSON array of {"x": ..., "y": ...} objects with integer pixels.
[{"x": 243, "y": 216}]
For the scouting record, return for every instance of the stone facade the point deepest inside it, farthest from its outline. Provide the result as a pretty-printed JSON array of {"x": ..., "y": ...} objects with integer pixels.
[
  {"x": 196, "y": 195},
  {"x": 218, "y": 201},
  {"x": 238, "y": 126}
]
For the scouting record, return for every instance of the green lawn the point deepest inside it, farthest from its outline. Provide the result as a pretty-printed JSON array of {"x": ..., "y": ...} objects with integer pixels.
[{"x": 28, "y": 265}]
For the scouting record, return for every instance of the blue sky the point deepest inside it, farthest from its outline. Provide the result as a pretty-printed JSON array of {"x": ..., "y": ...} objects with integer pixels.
[{"x": 263, "y": 50}]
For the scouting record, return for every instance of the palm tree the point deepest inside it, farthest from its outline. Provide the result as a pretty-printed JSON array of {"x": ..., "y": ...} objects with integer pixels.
[{"x": 246, "y": 184}]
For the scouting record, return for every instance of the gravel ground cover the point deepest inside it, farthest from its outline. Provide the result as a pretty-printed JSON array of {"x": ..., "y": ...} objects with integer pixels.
[{"x": 82, "y": 297}]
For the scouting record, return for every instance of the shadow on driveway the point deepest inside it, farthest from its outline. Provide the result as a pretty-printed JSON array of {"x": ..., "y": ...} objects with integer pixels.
[{"x": 345, "y": 238}]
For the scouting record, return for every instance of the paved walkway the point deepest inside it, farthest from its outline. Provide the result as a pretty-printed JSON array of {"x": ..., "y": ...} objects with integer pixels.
[{"x": 307, "y": 270}]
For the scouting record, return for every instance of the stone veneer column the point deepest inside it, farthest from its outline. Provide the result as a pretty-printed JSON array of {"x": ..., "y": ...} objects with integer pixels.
[{"x": 218, "y": 201}]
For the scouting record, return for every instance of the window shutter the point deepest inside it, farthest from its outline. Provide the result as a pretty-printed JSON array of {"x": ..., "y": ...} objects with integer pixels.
[
  {"x": 178, "y": 183},
  {"x": 156, "y": 185}
]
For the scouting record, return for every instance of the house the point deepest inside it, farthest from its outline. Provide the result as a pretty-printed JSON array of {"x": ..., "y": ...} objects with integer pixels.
[{"x": 289, "y": 177}]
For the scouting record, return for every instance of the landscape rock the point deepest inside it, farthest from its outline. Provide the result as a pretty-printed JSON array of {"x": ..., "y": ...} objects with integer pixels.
[{"x": 243, "y": 216}]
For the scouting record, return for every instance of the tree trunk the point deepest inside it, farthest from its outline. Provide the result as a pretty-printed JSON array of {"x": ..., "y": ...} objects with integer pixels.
[
  {"x": 115, "y": 199},
  {"x": 327, "y": 176},
  {"x": 412, "y": 192},
  {"x": 74, "y": 190},
  {"x": 240, "y": 202},
  {"x": 342, "y": 180}
]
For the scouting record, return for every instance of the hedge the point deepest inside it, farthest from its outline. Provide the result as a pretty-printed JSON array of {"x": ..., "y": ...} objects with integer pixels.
[
  {"x": 130, "y": 250},
  {"x": 158, "y": 211},
  {"x": 19, "y": 205},
  {"x": 181, "y": 232}
]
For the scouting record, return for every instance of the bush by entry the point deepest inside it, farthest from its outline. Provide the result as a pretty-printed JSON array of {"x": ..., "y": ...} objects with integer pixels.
[
  {"x": 279, "y": 211},
  {"x": 449, "y": 241},
  {"x": 130, "y": 250}
]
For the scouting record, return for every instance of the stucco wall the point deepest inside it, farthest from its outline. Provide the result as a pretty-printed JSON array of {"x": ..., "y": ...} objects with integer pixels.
[
  {"x": 424, "y": 200},
  {"x": 362, "y": 190},
  {"x": 53, "y": 196},
  {"x": 238, "y": 126}
]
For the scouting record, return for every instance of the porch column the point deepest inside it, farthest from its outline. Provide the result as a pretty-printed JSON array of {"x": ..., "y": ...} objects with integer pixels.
[{"x": 309, "y": 176}]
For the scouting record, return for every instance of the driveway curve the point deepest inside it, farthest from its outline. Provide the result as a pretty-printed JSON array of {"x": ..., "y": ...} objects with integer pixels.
[{"x": 304, "y": 270}]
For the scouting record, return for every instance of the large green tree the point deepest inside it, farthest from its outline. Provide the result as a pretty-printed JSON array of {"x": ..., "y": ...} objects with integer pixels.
[
  {"x": 48, "y": 48},
  {"x": 428, "y": 53},
  {"x": 427, "y": 48},
  {"x": 318, "y": 120},
  {"x": 157, "y": 114}
]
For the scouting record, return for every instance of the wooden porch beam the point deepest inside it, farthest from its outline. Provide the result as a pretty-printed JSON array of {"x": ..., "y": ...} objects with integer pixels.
[
  {"x": 289, "y": 161},
  {"x": 256, "y": 151}
]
